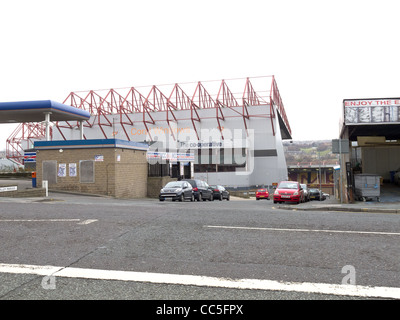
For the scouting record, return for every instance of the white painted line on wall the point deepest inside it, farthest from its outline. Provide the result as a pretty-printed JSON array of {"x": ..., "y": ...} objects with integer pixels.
[
  {"x": 204, "y": 281},
  {"x": 305, "y": 230}
]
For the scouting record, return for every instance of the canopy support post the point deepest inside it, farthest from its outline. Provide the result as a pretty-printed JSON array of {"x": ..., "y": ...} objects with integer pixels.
[{"x": 47, "y": 122}]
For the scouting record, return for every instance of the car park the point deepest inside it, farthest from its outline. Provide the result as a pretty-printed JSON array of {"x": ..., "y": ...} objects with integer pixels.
[
  {"x": 201, "y": 189},
  {"x": 306, "y": 192},
  {"x": 262, "y": 194},
  {"x": 220, "y": 193},
  {"x": 289, "y": 191},
  {"x": 177, "y": 190}
]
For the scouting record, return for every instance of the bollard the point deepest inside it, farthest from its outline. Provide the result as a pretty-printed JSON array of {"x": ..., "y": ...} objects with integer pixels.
[
  {"x": 45, "y": 184},
  {"x": 33, "y": 179}
]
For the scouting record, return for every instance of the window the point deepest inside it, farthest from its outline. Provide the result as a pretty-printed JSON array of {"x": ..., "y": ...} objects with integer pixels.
[
  {"x": 220, "y": 160},
  {"x": 86, "y": 171},
  {"x": 49, "y": 168},
  {"x": 158, "y": 170}
]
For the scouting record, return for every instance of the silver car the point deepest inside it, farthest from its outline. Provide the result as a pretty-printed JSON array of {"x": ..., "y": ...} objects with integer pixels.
[
  {"x": 177, "y": 190},
  {"x": 306, "y": 193}
]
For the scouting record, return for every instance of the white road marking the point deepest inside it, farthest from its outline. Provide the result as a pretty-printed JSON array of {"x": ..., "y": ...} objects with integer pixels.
[
  {"x": 50, "y": 220},
  {"x": 28, "y": 269},
  {"x": 39, "y": 220},
  {"x": 305, "y": 230},
  {"x": 87, "y": 221},
  {"x": 203, "y": 281}
]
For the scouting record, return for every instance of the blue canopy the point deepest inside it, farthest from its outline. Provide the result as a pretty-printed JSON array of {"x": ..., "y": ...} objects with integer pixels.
[{"x": 33, "y": 111}]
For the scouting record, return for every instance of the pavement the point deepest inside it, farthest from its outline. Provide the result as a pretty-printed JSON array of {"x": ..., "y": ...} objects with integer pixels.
[
  {"x": 335, "y": 205},
  {"x": 389, "y": 202},
  {"x": 21, "y": 183}
]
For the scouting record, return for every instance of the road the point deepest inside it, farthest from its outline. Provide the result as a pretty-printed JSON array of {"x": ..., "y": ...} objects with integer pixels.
[{"x": 79, "y": 247}]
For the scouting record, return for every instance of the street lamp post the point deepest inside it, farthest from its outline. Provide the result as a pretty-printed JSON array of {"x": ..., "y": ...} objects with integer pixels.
[{"x": 320, "y": 176}]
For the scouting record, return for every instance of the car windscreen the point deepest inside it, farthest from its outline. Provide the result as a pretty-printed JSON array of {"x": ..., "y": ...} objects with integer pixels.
[
  {"x": 192, "y": 182},
  {"x": 174, "y": 184},
  {"x": 287, "y": 185}
]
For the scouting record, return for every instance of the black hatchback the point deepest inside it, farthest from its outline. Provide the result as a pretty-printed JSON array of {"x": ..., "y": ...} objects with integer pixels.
[
  {"x": 201, "y": 189},
  {"x": 220, "y": 193},
  {"x": 316, "y": 194}
]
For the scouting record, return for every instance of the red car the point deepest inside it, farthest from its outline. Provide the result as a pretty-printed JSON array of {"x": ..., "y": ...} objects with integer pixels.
[
  {"x": 262, "y": 194},
  {"x": 290, "y": 191}
]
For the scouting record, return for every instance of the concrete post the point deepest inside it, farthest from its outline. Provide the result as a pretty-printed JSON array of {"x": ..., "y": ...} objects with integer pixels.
[
  {"x": 81, "y": 130},
  {"x": 47, "y": 123}
]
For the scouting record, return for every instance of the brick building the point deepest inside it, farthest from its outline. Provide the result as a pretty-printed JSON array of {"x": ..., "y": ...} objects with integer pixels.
[{"x": 110, "y": 167}]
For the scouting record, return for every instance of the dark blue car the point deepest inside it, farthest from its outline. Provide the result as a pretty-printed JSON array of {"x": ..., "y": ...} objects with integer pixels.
[{"x": 201, "y": 189}]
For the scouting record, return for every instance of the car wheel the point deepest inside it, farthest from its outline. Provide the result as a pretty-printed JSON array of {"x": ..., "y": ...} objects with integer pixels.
[
  {"x": 162, "y": 199},
  {"x": 220, "y": 197},
  {"x": 192, "y": 198},
  {"x": 181, "y": 198},
  {"x": 228, "y": 198},
  {"x": 199, "y": 197}
]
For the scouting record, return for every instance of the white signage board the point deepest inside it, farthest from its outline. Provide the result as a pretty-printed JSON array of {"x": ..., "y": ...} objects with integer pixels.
[
  {"x": 11, "y": 188},
  {"x": 371, "y": 111}
]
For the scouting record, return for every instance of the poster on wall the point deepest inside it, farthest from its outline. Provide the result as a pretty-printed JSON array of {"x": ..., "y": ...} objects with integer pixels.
[
  {"x": 62, "y": 170},
  {"x": 72, "y": 169},
  {"x": 98, "y": 157}
]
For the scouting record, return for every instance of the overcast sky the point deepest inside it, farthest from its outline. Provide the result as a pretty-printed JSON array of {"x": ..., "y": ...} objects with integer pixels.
[{"x": 320, "y": 52}]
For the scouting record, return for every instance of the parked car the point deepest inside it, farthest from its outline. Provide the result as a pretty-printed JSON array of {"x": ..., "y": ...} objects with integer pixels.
[
  {"x": 306, "y": 192},
  {"x": 262, "y": 194},
  {"x": 290, "y": 191},
  {"x": 201, "y": 189},
  {"x": 177, "y": 190},
  {"x": 316, "y": 194},
  {"x": 219, "y": 192},
  {"x": 396, "y": 177}
]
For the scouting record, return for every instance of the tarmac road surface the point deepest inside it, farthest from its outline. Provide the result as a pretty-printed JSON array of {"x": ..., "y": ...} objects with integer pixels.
[{"x": 81, "y": 247}]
